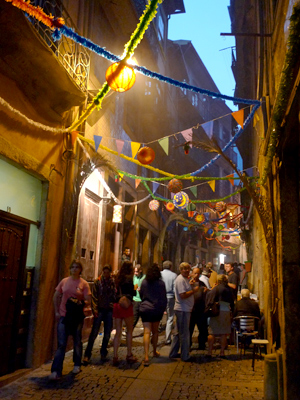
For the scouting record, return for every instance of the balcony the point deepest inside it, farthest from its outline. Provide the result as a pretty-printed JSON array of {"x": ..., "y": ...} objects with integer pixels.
[{"x": 73, "y": 57}]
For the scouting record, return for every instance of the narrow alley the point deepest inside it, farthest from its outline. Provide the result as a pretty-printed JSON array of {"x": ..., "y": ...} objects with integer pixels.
[{"x": 202, "y": 378}]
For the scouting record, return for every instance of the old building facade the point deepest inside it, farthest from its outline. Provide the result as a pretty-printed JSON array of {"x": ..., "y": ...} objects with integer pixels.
[{"x": 266, "y": 67}]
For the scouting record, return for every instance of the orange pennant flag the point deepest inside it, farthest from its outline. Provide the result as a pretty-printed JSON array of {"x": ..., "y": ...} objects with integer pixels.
[
  {"x": 231, "y": 180},
  {"x": 239, "y": 117},
  {"x": 137, "y": 182},
  {"x": 74, "y": 135},
  {"x": 212, "y": 185}
]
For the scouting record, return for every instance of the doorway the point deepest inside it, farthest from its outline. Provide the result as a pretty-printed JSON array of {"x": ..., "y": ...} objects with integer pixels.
[{"x": 14, "y": 234}]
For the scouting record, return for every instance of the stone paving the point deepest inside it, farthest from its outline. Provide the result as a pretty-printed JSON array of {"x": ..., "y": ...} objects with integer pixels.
[{"x": 202, "y": 378}]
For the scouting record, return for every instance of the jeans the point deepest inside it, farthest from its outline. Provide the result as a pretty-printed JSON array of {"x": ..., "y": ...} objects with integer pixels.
[
  {"x": 105, "y": 316},
  {"x": 170, "y": 318},
  {"x": 181, "y": 336},
  {"x": 63, "y": 332}
]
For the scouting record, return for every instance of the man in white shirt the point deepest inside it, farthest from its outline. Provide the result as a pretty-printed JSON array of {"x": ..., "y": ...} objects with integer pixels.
[
  {"x": 184, "y": 302},
  {"x": 169, "y": 278}
]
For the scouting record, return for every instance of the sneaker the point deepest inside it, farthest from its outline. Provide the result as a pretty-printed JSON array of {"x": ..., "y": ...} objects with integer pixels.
[
  {"x": 76, "y": 370},
  {"x": 54, "y": 376}
]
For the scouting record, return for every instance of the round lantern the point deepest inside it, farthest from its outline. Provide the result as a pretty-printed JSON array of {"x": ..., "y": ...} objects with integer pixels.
[
  {"x": 146, "y": 155},
  {"x": 220, "y": 206},
  {"x": 200, "y": 218},
  {"x": 210, "y": 231},
  {"x": 154, "y": 205},
  {"x": 181, "y": 200},
  {"x": 227, "y": 237},
  {"x": 175, "y": 185},
  {"x": 120, "y": 77},
  {"x": 170, "y": 206}
]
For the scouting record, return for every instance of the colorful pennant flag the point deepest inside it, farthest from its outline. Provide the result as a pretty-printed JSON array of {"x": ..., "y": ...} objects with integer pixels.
[
  {"x": 120, "y": 176},
  {"x": 239, "y": 117},
  {"x": 154, "y": 187},
  {"x": 164, "y": 142},
  {"x": 97, "y": 140},
  {"x": 231, "y": 180},
  {"x": 188, "y": 135},
  {"x": 212, "y": 185},
  {"x": 137, "y": 182},
  {"x": 120, "y": 144},
  {"x": 193, "y": 189},
  {"x": 208, "y": 128},
  {"x": 135, "y": 148}
]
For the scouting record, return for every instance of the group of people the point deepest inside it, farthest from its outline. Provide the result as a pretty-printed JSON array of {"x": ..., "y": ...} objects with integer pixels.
[{"x": 129, "y": 295}]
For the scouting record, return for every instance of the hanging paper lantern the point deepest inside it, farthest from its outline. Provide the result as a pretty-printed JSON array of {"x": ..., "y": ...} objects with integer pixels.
[
  {"x": 210, "y": 231},
  {"x": 185, "y": 228},
  {"x": 230, "y": 224},
  {"x": 117, "y": 214},
  {"x": 227, "y": 237},
  {"x": 200, "y": 218},
  {"x": 191, "y": 209},
  {"x": 220, "y": 206},
  {"x": 154, "y": 205},
  {"x": 170, "y": 206},
  {"x": 146, "y": 155},
  {"x": 175, "y": 185},
  {"x": 120, "y": 77},
  {"x": 220, "y": 227},
  {"x": 181, "y": 200}
]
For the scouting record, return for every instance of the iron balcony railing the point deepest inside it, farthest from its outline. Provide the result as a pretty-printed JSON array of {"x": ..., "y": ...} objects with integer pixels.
[{"x": 74, "y": 58}]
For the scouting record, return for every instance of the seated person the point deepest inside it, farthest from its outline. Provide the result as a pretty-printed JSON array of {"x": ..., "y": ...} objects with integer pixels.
[{"x": 246, "y": 306}]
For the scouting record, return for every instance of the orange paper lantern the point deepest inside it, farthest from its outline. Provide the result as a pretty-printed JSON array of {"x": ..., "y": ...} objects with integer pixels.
[
  {"x": 170, "y": 206},
  {"x": 120, "y": 77},
  {"x": 146, "y": 155}
]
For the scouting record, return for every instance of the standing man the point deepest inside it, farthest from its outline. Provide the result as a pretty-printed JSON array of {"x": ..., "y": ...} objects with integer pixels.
[
  {"x": 103, "y": 299},
  {"x": 137, "y": 281},
  {"x": 126, "y": 255},
  {"x": 184, "y": 302},
  {"x": 233, "y": 279},
  {"x": 198, "y": 316},
  {"x": 169, "y": 278}
]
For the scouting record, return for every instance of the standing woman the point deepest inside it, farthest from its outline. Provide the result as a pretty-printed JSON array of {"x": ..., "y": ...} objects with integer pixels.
[
  {"x": 220, "y": 325},
  {"x": 154, "y": 301},
  {"x": 126, "y": 291},
  {"x": 74, "y": 291}
]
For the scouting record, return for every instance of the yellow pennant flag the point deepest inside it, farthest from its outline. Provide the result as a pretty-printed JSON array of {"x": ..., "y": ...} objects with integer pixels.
[
  {"x": 137, "y": 182},
  {"x": 135, "y": 148},
  {"x": 239, "y": 117},
  {"x": 120, "y": 176},
  {"x": 212, "y": 185}
]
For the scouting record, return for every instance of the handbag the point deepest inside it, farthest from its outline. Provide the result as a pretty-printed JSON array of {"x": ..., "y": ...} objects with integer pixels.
[
  {"x": 124, "y": 302},
  {"x": 74, "y": 312},
  {"x": 213, "y": 309}
]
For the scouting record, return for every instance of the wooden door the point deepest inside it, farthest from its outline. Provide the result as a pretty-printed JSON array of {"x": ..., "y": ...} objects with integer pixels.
[{"x": 14, "y": 234}]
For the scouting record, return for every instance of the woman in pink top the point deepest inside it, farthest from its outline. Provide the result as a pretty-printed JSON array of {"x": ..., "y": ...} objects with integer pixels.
[{"x": 78, "y": 289}]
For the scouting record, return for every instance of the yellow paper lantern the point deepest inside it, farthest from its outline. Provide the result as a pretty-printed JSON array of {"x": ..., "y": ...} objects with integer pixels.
[
  {"x": 117, "y": 214},
  {"x": 120, "y": 77}
]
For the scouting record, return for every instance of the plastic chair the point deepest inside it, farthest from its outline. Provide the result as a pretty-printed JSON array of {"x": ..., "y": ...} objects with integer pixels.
[{"x": 245, "y": 327}]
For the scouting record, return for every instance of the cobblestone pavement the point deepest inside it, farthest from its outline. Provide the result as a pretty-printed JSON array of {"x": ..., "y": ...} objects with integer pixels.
[{"x": 202, "y": 378}]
